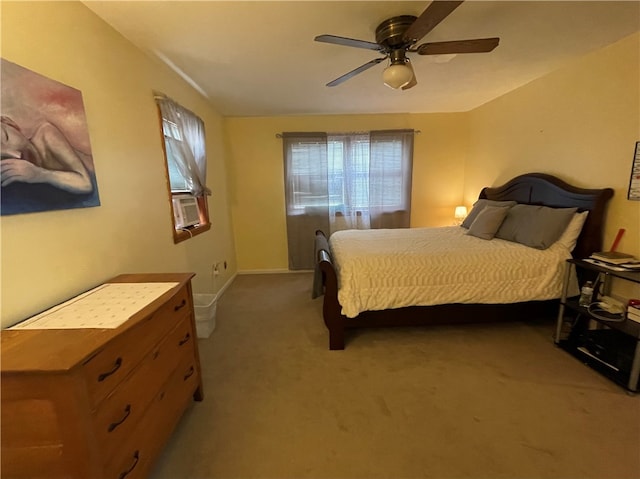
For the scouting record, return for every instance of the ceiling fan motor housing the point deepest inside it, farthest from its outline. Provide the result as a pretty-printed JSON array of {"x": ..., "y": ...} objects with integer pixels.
[{"x": 389, "y": 33}]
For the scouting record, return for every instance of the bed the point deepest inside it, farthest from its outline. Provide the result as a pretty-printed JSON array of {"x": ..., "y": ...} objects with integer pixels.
[{"x": 368, "y": 283}]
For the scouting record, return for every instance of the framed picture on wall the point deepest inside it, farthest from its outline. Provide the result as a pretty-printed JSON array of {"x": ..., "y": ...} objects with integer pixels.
[
  {"x": 46, "y": 162},
  {"x": 634, "y": 181}
]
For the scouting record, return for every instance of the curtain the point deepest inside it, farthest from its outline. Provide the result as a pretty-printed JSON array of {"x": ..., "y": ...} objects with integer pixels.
[
  {"x": 390, "y": 171},
  {"x": 186, "y": 144},
  {"x": 306, "y": 195}
]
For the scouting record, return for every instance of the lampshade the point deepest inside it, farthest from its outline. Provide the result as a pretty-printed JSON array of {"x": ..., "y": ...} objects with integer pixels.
[
  {"x": 460, "y": 213},
  {"x": 397, "y": 75}
]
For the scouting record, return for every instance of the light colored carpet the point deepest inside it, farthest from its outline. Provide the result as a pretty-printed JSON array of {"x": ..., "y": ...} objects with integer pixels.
[{"x": 467, "y": 401}]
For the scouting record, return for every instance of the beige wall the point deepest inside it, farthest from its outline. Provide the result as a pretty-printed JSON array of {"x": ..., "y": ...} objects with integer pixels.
[
  {"x": 48, "y": 257},
  {"x": 257, "y": 176},
  {"x": 579, "y": 123}
]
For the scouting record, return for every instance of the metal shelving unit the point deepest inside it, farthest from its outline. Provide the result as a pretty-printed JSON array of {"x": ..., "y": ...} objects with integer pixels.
[{"x": 611, "y": 347}]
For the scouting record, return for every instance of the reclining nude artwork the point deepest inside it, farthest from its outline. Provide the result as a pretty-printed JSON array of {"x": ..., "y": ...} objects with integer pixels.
[{"x": 46, "y": 161}]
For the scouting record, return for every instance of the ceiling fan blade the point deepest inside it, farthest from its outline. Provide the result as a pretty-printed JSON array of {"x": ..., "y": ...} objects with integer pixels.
[
  {"x": 413, "y": 81},
  {"x": 353, "y": 73},
  {"x": 348, "y": 42},
  {"x": 480, "y": 45},
  {"x": 432, "y": 16}
]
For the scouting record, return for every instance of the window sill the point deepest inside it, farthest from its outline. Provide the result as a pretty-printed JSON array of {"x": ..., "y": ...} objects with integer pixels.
[{"x": 182, "y": 235}]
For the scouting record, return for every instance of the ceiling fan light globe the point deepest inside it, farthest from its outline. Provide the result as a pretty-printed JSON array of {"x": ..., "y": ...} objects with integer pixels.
[{"x": 396, "y": 76}]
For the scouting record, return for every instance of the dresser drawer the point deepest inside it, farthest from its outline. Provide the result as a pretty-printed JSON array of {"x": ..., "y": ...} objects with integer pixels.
[
  {"x": 117, "y": 416},
  {"x": 135, "y": 458},
  {"x": 111, "y": 364}
]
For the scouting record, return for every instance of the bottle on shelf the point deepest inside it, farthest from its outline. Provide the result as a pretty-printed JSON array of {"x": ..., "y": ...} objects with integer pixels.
[{"x": 586, "y": 294}]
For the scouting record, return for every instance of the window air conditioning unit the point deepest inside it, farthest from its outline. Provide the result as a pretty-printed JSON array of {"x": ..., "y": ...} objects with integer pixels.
[{"x": 185, "y": 211}]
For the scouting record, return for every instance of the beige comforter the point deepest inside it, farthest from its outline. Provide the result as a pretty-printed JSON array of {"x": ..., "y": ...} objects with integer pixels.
[{"x": 384, "y": 269}]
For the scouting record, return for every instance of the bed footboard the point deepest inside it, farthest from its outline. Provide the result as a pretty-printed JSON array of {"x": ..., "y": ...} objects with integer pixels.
[{"x": 331, "y": 309}]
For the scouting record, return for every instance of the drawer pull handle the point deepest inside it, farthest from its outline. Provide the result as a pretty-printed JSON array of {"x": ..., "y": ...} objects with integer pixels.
[
  {"x": 190, "y": 373},
  {"x": 181, "y": 305},
  {"x": 136, "y": 458},
  {"x": 116, "y": 366},
  {"x": 127, "y": 411},
  {"x": 185, "y": 339}
]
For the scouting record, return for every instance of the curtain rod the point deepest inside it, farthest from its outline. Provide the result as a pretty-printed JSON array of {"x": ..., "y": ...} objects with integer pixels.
[{"x": 417, "y": 132}]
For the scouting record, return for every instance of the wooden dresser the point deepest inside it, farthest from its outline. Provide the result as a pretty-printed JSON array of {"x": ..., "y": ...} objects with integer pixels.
[{"x": 99, "y": 403}]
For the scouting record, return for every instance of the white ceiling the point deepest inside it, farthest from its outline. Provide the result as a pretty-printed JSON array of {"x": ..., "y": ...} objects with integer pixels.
[{"x": 259, "y": 58}]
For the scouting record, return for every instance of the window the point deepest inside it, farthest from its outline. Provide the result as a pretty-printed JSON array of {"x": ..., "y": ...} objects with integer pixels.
[
  {"x": 345, "y": 181},
  {"x": 351, "y": 172},
  {"x": 186, "y": 163},
  {"x": 308, "y": 176},
  {"x": 177, "y": 181}
]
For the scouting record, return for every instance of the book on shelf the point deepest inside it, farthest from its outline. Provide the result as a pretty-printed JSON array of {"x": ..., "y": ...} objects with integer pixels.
[
  {"x": 614, "y": 257},
  {"x": 633, "y": 314},
  {"x": 625, "y": 267}
]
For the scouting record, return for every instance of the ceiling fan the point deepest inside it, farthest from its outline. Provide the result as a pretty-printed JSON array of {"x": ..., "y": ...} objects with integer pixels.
[{"x": 397, "y": 36}]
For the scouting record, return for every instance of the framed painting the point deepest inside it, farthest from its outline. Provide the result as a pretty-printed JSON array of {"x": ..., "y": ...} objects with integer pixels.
[
  {"x": 46, "y": 161},
  {"x": 634, "y": 181}
]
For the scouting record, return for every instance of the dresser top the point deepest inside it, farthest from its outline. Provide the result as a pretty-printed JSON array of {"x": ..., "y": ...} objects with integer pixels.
[{"x": 61, "y": 349}]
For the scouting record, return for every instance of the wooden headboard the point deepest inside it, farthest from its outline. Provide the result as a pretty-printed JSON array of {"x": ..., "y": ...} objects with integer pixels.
[{"x": 547, "y": 190}]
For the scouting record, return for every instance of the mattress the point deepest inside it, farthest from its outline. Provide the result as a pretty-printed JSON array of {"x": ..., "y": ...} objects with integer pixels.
[{"x": 394, "y": 268}]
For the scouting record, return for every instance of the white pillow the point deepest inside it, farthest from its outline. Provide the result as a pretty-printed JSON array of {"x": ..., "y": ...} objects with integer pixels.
[{"x": 569, "y": 238}]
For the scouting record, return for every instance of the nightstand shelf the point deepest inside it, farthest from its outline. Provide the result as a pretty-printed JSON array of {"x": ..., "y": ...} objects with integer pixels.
[{"x": 609, "y": 347}]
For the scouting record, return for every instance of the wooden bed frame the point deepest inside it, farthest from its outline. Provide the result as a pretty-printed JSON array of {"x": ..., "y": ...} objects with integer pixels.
[{"x": 532, "y": 188}]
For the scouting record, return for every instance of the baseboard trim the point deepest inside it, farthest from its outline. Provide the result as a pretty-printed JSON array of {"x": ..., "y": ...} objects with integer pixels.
[
  {"x": 224, "y": 287},
  {"x": 273, "y": 271}
]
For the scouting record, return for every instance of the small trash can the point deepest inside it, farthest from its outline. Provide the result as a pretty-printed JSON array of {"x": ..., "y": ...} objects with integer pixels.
[{"x": 205, "y": 310}]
